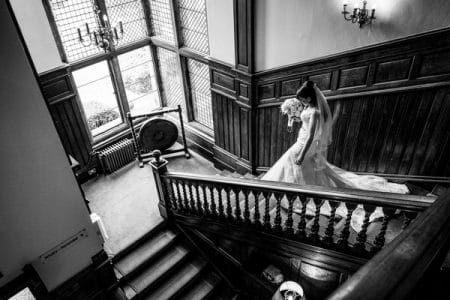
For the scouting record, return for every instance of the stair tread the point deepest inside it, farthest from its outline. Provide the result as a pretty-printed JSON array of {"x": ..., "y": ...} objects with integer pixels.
[
  {"x": 202, "y": 288},
  {"x": 157, "y": 269},
  {"x": 177, "y": 281},
  {"x": 144, "y": 252}
]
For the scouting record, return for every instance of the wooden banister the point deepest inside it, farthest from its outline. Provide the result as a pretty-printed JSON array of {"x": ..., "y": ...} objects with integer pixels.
[{"x": 396, "y": 270}]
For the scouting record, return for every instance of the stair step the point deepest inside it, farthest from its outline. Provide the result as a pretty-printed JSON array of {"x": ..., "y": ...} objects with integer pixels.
[
  {"x": 203, "y": 288},
  {"x": 177, "y": 282},
  {"x": 145, "y": 252},
  {"x": 157, "y": 272},
  {"x": 249, "y": 176}
]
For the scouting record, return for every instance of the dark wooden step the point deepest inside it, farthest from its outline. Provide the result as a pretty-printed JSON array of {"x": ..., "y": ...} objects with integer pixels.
[
  {"x": 173, "y": 286},
  {"x": 145, "y": 252},
  {"x": 156, "y": 274},
  {"x": 203, "y": 288}
]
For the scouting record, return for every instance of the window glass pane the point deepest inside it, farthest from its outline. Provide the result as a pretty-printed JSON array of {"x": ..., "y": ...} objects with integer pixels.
[
  {"x": 24, "y": 294},
  {"x": 194, "y": 27},
  {"x": 161, "y": 19},
  {"x": 131, "y": 14},
  {"x": 98, "y": 97},
  {"x": 138, "y": 76},
  {"x": 171, "y": 77},
  {"x": 69, "y": 16},
  {"x": 199, "y": 80}
]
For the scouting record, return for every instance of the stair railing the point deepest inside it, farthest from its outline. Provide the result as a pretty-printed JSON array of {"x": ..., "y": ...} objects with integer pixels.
[
  {"x": 258, "y": 205},
  {"x": 403, "y": 268}
]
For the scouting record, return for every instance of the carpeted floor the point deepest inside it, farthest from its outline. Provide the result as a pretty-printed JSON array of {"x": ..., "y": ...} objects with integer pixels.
[{"x": 126, "y": 201}]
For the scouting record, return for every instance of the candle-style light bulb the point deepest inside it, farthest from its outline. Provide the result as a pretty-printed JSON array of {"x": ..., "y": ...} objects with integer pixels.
[
  {"x": 87, "y": 29},
  {"x": 79, "y": 34},
  {"x": 373, "y": 12}
]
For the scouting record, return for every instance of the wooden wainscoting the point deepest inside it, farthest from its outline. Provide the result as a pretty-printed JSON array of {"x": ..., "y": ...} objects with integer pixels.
[{"x": 394, "y": 106}]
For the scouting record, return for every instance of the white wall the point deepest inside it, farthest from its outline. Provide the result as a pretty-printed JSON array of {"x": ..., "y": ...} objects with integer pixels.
[
  {"x": 38, "y": 36},
  {"x": 291, "y": 31},
  {"x": 221, "y": 30},
  {"x": 41, "y": 204}
]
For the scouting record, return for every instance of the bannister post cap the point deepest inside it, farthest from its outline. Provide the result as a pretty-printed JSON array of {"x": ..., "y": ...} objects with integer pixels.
[{"x": 157, "y": 161}]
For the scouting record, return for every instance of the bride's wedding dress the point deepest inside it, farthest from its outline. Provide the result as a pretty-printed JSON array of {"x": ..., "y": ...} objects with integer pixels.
[{"x": 316, "y": 170}]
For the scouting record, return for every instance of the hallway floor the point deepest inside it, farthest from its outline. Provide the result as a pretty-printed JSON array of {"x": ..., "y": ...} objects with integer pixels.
[{"x": 126, "y": 200}]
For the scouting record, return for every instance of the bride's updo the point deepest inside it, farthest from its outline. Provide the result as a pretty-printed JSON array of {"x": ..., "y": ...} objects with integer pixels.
[{"x": 308, "y": 91}]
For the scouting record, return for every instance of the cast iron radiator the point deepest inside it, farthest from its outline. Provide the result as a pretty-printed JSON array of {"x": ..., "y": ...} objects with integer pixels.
[{"x": 117, "y": 155}]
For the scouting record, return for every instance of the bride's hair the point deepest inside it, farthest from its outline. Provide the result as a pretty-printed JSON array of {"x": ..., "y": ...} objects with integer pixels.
[{"x": 308, "y": 90}]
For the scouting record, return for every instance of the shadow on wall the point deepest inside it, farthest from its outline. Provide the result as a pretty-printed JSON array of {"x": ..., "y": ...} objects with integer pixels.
[{"x": 291, "y": 31}]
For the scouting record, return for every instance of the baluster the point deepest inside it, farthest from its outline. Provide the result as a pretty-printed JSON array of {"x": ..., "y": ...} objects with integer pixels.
[
  {"x": 409, "y": 216},
  {"x": 360, "y": 246},
  {"x": 169, "y": 188},
  {"x": 290, "y": 221},
  {"x": 199, "y": 203},
  {"x": 267, "y": 224},
  {"x": 186, "y": 200},
  {"x": 180, "y": 198},
  {"x": 191, "y": 198},
  {"x": 205, "y": 201},
  {"x": 277, "y": 221},
  {"x": 315, "y": 227},
  {"x": 229, "y": 209},
  {"x": 301, "y": 232},
  {"x": 237, "y": 208},
  {"x": 246, "y": 208},
  {"x": 213, "y": 202},
  {"x": 380, "y": 238},
  {"x": 221, "y": 210},
  {"x": 345, "y": 233},
  {"x": 328, "y": 239},
  {"x": 256, "y": 215}
]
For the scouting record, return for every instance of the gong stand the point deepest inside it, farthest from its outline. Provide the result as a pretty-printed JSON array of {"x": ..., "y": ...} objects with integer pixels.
[{"x": 144, "y": 155}]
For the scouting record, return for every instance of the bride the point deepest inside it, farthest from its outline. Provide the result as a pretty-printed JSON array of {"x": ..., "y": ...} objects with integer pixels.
[{"x": 305, "y": 162}]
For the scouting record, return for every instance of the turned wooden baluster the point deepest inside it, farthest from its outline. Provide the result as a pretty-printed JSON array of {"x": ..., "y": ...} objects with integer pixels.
[
  {"x": 237, "y": 208},
  {"x": 409, "y": 216},
  {"x": 246, "y": 208},
  {"x": 213, "y": 202},
  {"x": 316, "y": 225},
  {"x": 229, "y": 208},
  {"x": 379, "y": 241},
  {"x": 277, "y": 221},
  {"x": 221, "y": 210},
  {"x": 301, "y": 227},
  {"x": 328, "y": 239},
  {"x": 192, "y": 200},
  {"x": 267, "y": 224},
  {"x": 360, "y": 246},
  {"x": 186, "y": 199},
  {"x": 289, "y": 230},
  {"x": 345, "y": 233},
  {"x": 179, "y": 197},
  {"x": 199, "y": 202},
  {"x": 256, "y": 215},
  {"x": 169, "y": 187},
  {"x": 206, "y": 211}
]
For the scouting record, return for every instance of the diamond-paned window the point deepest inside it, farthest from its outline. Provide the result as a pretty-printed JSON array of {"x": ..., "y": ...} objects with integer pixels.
[
  {"x": 171, "y": 77},
  {"x": 70, "y": 16},
  {"x": 199, "y": 80},
  {"x": 194, "y": 27},
  {"x": 131, "y": 14},
  {"x": 161, "y": 20}
]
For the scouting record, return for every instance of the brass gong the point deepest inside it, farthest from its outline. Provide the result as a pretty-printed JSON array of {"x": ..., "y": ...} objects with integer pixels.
[{"x": 157, "y": 134}]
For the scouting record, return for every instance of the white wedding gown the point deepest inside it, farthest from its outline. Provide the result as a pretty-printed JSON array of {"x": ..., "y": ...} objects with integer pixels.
[{"x": 315, "y": 170}]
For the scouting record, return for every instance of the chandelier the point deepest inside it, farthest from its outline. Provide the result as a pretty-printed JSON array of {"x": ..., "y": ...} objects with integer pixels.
[
  {"x": 104, "y": 36},
  {"x": 359, "y": 15}
]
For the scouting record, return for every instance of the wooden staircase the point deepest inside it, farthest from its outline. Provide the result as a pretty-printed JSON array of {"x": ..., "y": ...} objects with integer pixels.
[{"x": 163, "y": 265}]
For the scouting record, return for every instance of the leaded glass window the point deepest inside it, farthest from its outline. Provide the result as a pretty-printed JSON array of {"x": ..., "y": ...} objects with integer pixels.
[
  {"x": 171, "y": 77},
  {"x": 200, "y": 92},
  {"x": 194, "y": 27},
  {"x": 161, "y": 20}
]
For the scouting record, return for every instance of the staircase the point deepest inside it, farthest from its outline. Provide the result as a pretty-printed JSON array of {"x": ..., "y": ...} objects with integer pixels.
[{"x": 162, "y": 265}]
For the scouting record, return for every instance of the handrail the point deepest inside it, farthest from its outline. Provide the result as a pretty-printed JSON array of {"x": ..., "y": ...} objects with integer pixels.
[
  {"x": 397, "y": 269},
  {"x": 412, "y": 202}
]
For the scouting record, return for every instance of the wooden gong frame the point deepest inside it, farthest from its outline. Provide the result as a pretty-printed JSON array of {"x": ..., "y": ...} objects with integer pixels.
[{"x": 144, "y": 157}]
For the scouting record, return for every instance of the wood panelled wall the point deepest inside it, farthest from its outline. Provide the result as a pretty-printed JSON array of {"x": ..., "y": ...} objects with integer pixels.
[{"x": 392, "y": 102}]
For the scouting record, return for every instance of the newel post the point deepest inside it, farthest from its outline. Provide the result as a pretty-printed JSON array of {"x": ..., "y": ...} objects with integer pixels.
[{"x": 159, "y": 168}]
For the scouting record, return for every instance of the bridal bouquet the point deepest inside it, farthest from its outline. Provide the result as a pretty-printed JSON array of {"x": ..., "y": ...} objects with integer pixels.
[{"x": 291, "y": 107}]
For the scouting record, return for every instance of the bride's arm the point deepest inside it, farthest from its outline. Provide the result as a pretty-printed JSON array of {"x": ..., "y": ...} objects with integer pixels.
[{"x": 309, "y": 139}]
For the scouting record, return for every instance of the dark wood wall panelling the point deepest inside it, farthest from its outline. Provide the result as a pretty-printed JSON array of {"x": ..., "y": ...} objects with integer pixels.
[
  {"x": 59, "y": 92},
  {"x": 394, "y": 106}
]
